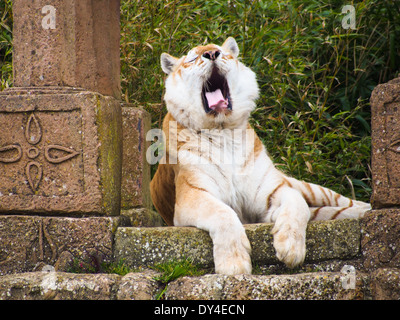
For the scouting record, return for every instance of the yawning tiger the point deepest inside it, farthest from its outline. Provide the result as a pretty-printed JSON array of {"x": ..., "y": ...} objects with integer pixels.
[{"x": 216, "y": 174}]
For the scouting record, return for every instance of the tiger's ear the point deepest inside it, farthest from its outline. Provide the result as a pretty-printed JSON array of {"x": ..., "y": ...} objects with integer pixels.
[
  {"x": 231, "y": 45},
  {"x": 168, "y": 62}
]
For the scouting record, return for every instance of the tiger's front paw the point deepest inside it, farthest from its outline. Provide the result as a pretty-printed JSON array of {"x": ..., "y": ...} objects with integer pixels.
[
  {"x": 290, "y": 245},
  {"x": 232, "y": 256}
]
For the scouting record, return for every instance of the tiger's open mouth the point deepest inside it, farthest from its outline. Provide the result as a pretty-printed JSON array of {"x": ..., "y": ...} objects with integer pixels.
[{"x": 215, "y": 94}]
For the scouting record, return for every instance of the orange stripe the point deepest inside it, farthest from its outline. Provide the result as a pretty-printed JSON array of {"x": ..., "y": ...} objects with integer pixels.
[
  {"x": 337, "y": 213},
  {"x": 309, "y": 201},
  {"x": 272, "y": 194},
  {"x": 337, "y": 196},
  {"x": 315, "y": 213},
  {"x": 288, "y": 183},
  {"x": 326, "y": 196},
  {"x": 192, "y": 186}
]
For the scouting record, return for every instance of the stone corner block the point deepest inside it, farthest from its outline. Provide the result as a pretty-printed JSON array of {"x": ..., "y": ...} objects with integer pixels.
[
  {"x": 380, "y": 242},
  {"x": 385, "y": 284},
  {"x": 26, "y": 241},
  {"x": 135, "y": 189},
  {"x": 385, "y": 161},
  {"x": 60, "y": 152}
]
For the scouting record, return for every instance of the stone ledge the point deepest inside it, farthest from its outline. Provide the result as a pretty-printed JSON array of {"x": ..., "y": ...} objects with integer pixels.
[
  {"x": 305, "y": 286},
  {"x": 144, "y": 247},
  {"x": 26, "y": 241},
  {"x": 380, "y": 284},
  {"x": 71, "y": 286}
]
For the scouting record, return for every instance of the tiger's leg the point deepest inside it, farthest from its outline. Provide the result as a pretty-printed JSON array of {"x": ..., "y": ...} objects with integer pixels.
[
  {"x": 290, "y": 214},
  {"x": 196, "y": 206}
]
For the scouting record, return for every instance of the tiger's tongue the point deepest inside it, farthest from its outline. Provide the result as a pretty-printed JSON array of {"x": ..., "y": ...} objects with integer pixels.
[{"x": 216, "y": 100}]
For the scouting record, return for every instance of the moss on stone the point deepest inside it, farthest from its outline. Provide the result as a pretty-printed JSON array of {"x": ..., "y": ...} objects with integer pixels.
[
  {"x": 148, "y": 246},
  {"x": 109, "y": 124}
]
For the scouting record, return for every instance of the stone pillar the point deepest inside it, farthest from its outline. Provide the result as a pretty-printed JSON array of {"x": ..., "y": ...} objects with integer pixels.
[
  {"x": 380, "y": 243},
  {"x": 61, "y": 124},
  {"x": 385, "y": 163},
  {"x": 61, "y": 136},
  {"x": 71, "y": 43}
]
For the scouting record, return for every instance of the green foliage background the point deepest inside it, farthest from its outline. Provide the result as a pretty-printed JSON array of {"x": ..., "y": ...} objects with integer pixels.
[{"x": 315, "y": 76}]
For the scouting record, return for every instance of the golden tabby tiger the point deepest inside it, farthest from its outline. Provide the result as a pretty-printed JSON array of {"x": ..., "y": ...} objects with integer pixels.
[{"x": 216, "y": 174}]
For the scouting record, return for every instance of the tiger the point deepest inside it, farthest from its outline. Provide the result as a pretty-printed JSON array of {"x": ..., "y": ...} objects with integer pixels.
[{"x": 209, "y": 94}]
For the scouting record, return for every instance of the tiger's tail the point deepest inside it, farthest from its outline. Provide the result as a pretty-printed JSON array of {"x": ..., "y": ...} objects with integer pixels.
[{"x": 326, "y": 204}]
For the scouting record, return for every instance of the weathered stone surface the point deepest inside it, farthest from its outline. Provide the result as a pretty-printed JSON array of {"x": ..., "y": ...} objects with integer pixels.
[
  {"x": 334, "y": 239},
  {"x": 69, "y": 43},
  {"x": 144, "y": 247},
  {"x": 135, "y": 189},
  {"x": 138, "y": 286},
  {"x": 47, "y": 284},
  {"x": 143, "y": 217},
  {"x": 385, "y": 162},
  {"x": 148, "y": 246},
  {"x": 385, "y": 284},
  {"x": 380, "y": 243},
  {"x": 207, "y": 287},
  {"x": 310, "y": 286},
  {"x": 58, "y": 286},
  {"x": 26, "y": 241},
  {"x": 60, "y": 152}
]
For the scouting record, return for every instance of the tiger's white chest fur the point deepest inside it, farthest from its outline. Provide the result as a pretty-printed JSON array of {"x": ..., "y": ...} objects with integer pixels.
[{"x": 233, "y": 165}]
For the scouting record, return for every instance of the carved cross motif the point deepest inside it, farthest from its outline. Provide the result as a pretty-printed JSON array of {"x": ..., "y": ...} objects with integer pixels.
[{"x": 33, "y": 169}]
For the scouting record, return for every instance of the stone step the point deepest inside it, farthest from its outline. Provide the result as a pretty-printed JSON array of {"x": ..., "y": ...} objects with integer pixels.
[
  {"x": 302, "y": 286},
  {"x": 379, "y": 284},
  {"x": 145, "y": 247}
]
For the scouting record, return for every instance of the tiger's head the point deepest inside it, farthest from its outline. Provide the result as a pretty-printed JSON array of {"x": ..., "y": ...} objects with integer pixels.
[{"x": 209, "y": 87}]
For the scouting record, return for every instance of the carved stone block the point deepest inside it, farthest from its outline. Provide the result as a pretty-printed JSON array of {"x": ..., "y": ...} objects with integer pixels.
[
  {"x": 60, "y": 152},
  {"x": 26, "y": 241},
  {"x": 385, "y": 123},
  {"x": 380, "y": 242}
]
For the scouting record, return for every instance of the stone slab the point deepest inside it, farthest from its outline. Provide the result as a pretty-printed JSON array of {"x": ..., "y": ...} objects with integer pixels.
[
  {"x": 51, "y": 285},
  {"x": 382, "y": 284},
  {"x": 380, "y": 242},
  {"x": 26, "y": 241},
  {"x": 385, "y": 161},
  {"x": 135, "y": 189},
  {"x": 71, "y": 43},
  {"x": 58, "y": 286},
  {"x": 143, "y": 217},
  {"x": 138, "y": 286},
  {"x": 60, "y": 152},
  {"x": 143, "y": 247},
  {"x": 385, "y": 284},
  {"x": 304, "y": 286}
]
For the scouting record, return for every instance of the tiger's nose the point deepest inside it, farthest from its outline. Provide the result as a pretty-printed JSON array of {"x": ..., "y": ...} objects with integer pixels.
[{"x": 212, "y": 54}]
